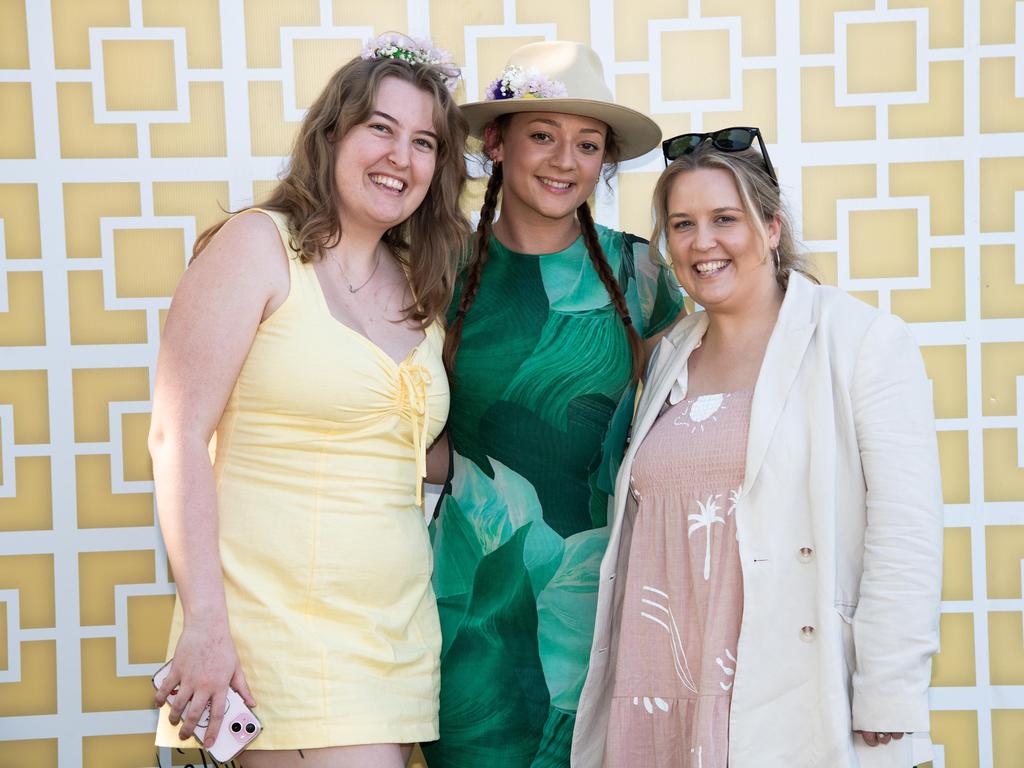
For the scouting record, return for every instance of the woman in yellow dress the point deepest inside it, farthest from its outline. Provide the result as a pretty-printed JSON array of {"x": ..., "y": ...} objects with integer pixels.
[{"x": 308, "y": 336}]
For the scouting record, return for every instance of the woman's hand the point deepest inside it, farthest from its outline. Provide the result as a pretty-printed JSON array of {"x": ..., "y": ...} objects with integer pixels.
[
  {"x": 874, "y": 738},
  {"x": 205, "y": 664}
]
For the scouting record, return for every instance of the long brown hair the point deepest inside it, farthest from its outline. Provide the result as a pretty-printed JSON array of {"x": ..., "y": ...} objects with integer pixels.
[
  {"x": 478, "y": 261},
  {"x": 760, "y": 196},
  {"x": 429, "y": 241}
]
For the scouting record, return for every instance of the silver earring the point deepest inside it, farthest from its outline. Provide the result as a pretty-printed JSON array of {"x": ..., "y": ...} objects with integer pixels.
[{"x": 776, "y": 259}]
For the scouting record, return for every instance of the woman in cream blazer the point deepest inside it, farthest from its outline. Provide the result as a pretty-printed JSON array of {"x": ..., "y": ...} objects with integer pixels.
[{"x": 839, "y": 528}]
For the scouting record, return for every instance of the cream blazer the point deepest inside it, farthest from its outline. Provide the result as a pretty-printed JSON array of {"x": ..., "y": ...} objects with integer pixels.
[{"x": 839, "y": 524}]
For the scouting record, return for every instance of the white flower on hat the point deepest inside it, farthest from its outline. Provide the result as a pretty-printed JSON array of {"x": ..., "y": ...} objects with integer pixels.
[{"x": 518, "y": 83}]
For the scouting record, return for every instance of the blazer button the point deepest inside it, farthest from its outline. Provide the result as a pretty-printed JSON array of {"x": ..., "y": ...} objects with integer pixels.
[
  {"x": 806, "y": 554},
  {"x": 807, "y": 634}
]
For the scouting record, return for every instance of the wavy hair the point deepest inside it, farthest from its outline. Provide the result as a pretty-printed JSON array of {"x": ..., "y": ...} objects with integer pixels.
[
  {"x": 761, "y": 198},
  {"x": 429, "y": 242}
]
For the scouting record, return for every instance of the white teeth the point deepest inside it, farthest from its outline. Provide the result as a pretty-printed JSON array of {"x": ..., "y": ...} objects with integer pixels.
[
  {"x": 388, "y": 181},
  {"x": 557, "y": 184},
  {"x": 709, "y": 266}
]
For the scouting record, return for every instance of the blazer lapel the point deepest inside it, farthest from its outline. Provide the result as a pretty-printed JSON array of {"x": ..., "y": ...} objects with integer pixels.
[
  {"x": 671, "y": 363},
  {"x": 782, "y": 357}
]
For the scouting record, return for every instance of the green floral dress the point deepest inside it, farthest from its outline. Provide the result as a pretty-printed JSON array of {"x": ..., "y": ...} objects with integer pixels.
[{"x": 540, "y": 408}]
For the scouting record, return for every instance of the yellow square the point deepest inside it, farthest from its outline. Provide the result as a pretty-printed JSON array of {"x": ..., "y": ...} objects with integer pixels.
[
  {"x": 883, "y": 243},
  {"x": 1004, "y": 479},
  {"x": 39, "y": 753},
  {"x": 149, "y": 262},
  {"x": 120, "y": 750},
  {"x": 1001, "y": 364},
  {"x": 1007, "y": 735},
  {"x": 1004, "y": 553},
  {"x": 957, "y": 731},
  {"x": 103, "y": 690},
  {"x": 100, "y": 572},
  {"x": 17, "y": 132},
  {"x": 881, "y": 57},
  {"x": 139, "y": 74},
  {"x": 315, "y": 62},
  {"x": 137, "y": 465},
  {"x": 36, "y": 692},
  {"x": 13, "y": 36},
  {"x": 695, "y": 65},
  {"x": 954, "y": 664},
  {"x": 955, "y": 465},
  {"x": 957, "y": 582},
  {"x": 149, "y": 624},
  {"x": 1005, "y": 648}
]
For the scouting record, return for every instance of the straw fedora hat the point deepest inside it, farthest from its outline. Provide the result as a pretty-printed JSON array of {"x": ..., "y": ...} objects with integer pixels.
[{"x": 566, "y": 77}]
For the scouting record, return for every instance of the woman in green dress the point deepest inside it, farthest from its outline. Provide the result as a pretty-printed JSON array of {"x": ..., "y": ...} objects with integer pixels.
[{"x": 546, "y": 340}]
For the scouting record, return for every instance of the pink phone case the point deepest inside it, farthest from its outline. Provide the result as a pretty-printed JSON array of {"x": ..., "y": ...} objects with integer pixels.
[{"x": 237, "y": 730}]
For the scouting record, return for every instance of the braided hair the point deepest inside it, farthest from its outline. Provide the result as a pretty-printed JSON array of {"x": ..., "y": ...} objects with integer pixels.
[
  {"x": 479, "y": 260},
  {"x": 604, "y": 271},
  {"x": 475, "y": 270}
]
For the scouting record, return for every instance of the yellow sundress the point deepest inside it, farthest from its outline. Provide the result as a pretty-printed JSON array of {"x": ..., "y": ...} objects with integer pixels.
[{"x": 325, "y": 553}]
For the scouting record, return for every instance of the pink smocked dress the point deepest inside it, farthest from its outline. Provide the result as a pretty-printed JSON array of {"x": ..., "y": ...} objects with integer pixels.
[{"x": 684, "y": 589}]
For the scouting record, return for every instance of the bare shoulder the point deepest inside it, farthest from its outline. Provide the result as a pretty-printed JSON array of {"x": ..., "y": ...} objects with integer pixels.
[
  {"x": 247, "y": 241},
  {"x": 245, "y": 256}
]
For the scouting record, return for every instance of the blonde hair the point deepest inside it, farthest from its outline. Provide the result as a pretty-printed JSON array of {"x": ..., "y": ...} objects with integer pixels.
[
  {"x": 761, "y": 198},
  {"x": 429, "y": 242}
]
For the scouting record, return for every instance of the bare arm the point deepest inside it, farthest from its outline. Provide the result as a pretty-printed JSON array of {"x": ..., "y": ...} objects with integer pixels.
[
  {"x": 439, "y": 460},
  {"x": 238, "y": 280}
]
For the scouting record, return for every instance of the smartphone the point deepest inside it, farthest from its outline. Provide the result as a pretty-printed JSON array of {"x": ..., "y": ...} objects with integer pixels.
[{"x": 237, "y": 730}]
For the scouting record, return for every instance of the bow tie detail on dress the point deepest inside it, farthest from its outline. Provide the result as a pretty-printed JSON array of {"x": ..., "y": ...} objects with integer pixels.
[{"x": 413, "y": 381}]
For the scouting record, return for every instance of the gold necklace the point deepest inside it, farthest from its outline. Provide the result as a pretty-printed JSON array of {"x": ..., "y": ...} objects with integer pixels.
[{"x": 348, "y": 282}]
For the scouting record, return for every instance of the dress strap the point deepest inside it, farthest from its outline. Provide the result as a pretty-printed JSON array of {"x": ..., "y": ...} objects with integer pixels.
[{"x": 280, "y": 220}]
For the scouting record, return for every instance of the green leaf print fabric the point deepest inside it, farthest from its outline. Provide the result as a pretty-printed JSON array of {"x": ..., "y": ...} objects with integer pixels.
[{"x": 540, "y": 409}]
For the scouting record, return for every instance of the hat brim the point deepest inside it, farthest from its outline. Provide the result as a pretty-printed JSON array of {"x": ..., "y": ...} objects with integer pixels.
[{"x": 635, "y": 132}]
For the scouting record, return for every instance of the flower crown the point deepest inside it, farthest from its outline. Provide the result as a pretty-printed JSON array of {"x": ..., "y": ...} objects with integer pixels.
[
  {"x": 392, "y": 45},
  {"x": 518, "y": 83}
]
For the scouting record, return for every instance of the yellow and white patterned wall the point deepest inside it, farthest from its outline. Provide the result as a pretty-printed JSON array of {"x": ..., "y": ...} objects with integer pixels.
[{"x": 126, "y": 126}]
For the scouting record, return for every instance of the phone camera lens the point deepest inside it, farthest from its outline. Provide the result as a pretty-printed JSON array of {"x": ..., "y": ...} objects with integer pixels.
[
  {"x": 236, "y": 727},
  {"x": 250, "y": 728}
]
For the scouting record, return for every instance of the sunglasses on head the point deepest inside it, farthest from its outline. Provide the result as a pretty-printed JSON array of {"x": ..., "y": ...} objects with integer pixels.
[{"x": 734, "y": 139}]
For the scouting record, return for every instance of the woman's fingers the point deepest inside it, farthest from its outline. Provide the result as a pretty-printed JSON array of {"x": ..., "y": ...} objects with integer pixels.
[
  {"x": 168, "y": 687},
  {"x": 870, "y": 738},
  {"x": 242, "y": 687},
  {"x": 216, "y": 715},
  {"x": 178, "y": 702},
  {"x": 874, "y": 738},
  {"x": 195, "y": 709}
]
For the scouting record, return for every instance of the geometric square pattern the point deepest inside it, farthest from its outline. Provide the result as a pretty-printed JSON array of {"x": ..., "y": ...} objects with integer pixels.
[{"x": 128, "y": 126}]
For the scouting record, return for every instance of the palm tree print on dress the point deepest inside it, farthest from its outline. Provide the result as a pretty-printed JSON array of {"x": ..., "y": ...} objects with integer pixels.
[
  {"x": 675, "y": 639},
  {"x": 734, "y": 499},
  {"x": 708, "y": 517}
]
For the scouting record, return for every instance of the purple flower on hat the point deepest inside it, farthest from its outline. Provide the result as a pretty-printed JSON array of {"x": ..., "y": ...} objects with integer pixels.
[{"x": 516, "y": 83}]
